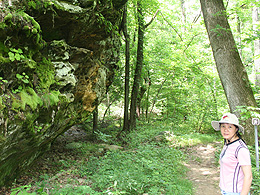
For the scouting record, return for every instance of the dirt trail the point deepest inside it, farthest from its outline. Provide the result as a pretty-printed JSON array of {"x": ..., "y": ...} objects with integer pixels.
[{"x": 204, "y": 172}]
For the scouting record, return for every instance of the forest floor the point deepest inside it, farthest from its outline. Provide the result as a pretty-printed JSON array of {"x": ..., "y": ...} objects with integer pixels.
[
  {"x": 202, "y": 165},
  {"x": 203, "y": 169}
]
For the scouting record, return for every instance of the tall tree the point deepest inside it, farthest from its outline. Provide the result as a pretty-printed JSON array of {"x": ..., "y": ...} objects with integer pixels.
[
  {"x": 139, "y": 65},
  {"x": 127, "y": 67},
  {"x": 139, "y": 61},
  {"x": 255, "y": 17},
  {"x": 230, "y": 68}
]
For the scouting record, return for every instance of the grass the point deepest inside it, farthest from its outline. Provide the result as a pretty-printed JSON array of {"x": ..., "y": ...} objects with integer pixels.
[
  {"x": 150, "y": 163},
  {"x": 146, "y": 165},
  {"x": 146, "y": 169}
]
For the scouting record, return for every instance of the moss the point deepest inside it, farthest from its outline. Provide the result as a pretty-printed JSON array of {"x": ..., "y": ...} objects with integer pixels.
[
  {"x": 35, "y": 24},
  {"x": 45, "y": 72},
  {"x": 51, "y": 99},
  {"x": 30, "y": 63},
  {"x": 27, "y": 31},
  {"x": 34, "y": 31},
  {"x": 3, "y": 25},
  {"x": 31, "y": 4},
  {"x": 37, "y": 40},
  {"x": 26, "y": 28},
  {"x": 8, "y": 17},
  {"x": 29, "y": 27},
  {"x": 2, "y": 138},
  {"x": 3, "y": 60},
  {"x": 16, "y": 104},
  {"x": 30, "y": 98},
  {"x": 3, "y": 47},
  {"x": 38, "y": 4},
  {"x": 2, "y": 106}
]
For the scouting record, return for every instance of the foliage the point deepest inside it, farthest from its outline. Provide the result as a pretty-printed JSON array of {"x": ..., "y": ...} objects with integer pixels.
[
  {"x": 24, "y": 78},
  {"x": 38, "y": 4},
  {"x": 146, "y": 165},
  {"x": 256, "y": 182},
  {"x": 183, "y": 86},
  {"x": 179, "y": 75},
  {"x": 145, "y": 170},
  {"x": 256, "y": 175},
  {"x": 248, "y": 112},
  {"x": 23, "y": 190},
  {"x": 2, "y": 81},
  {"x": 102, "y": 136},
  {"x": 104, "y": 22},
  {"x": 191, "y": 139},
  {"x": 50, "y": 99},
  {"x": 27, "y": 27},
  {"x": 77, "y": 190},
  {"x": 15, "y": 54},
  {"x": 28, "y": 97},
  {"x": 45, "y": 72}
]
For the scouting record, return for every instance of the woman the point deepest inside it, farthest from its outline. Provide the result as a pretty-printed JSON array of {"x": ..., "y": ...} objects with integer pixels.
[{"x": 235, "y": 162}]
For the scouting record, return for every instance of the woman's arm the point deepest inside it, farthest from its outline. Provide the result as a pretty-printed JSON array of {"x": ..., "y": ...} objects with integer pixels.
[{"x": 247, "y": 179}]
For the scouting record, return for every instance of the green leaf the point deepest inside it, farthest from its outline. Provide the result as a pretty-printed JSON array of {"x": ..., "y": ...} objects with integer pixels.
[
  {"x": 19, "y": 76},
  {"x": 14, "y": 50},
  {"x": 17, "y": 56},
  {"x": 19, "y": 51},
  {"x": 11, "y": 56},
  {"x": 25, "y": 80}
]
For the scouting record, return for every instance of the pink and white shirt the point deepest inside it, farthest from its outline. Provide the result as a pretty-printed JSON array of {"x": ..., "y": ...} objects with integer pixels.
[{"x": 232, "y": 157}]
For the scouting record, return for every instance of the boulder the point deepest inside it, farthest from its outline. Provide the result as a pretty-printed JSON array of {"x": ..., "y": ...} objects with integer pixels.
[{"x": 57, "y": 60}]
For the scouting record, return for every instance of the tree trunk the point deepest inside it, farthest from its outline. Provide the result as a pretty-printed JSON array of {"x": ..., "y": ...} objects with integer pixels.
[
  {"x": 147, "y": 95},
  {"x": 231, "y": 71},
  {"x": 127, "y": 67},
  {"x": 238, "y": 38},
  {"x": 139, "y": 100},
  {"x": 95, "y": 120},
  {"x": 139, "y": 66},
  {"x": 183, "y": 14},
  {"x": 256, "y": 46},
  {"x": 139, "y": 62}
]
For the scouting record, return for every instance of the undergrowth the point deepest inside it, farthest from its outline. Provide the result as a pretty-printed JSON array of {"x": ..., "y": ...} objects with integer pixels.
[{"x": 146, "y": 165}]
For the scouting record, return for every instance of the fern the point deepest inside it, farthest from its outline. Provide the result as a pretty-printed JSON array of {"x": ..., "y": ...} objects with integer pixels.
[
  {"x": 51, "y": 99},
  {"x": 30, "y": 98}
]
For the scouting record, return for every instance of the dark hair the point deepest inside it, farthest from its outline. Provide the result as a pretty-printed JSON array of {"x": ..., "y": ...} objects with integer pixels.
[{"x": 238, "y": 134}]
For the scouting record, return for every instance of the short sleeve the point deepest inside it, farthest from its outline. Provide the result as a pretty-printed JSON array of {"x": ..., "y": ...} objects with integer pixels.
[{"x": 243, "y": 156}]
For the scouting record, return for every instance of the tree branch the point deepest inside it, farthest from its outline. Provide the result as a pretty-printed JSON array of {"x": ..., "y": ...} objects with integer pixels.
[
  {"x": 152, "y": 19},
  {"x": 171, "y": 26}
]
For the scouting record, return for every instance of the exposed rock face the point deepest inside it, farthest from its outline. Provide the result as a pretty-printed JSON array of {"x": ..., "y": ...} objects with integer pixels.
[{"x": 56, "y": 62}]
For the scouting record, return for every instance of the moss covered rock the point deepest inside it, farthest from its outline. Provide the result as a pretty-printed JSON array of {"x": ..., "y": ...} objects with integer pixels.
[{"x": 57, "y": 59}]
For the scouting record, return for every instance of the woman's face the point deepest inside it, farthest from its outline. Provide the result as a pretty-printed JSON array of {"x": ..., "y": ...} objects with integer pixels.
[{"x": 228, "y": 130}]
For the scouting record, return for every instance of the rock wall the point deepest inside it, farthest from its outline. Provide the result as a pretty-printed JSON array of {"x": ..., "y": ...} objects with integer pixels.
[{"x": 57, "y": 60}]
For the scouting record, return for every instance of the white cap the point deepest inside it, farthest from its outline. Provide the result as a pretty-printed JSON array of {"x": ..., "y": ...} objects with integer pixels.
[{"x": 227, "y": 118}]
